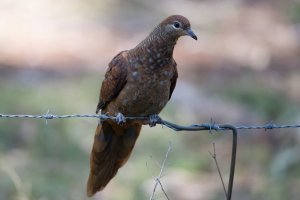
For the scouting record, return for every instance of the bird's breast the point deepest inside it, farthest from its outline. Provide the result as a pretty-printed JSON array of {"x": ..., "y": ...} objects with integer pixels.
[{"x": 146, "y": 91}]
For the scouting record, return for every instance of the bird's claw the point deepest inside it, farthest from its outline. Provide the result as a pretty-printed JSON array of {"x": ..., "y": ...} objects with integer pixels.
[
  {"x": 120, "y": 119},
  {"x": 154, "y": 119}
]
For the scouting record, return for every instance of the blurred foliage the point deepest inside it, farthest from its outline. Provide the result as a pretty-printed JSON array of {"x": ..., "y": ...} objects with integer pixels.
[
  {"x": 268, "y": 103},
  {"x": 243, "y": 69},
  {"x": 293, "y": 12},
  {"x": 52, "y": 160}
]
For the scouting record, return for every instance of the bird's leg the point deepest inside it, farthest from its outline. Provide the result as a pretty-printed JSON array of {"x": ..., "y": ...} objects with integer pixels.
[
  {"x": 120, "y": 119},
  {"x": 154, "y": 119}
]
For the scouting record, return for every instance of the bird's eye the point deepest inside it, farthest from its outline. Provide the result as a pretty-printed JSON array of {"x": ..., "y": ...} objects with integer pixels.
[{"x": 176, "y": 25}]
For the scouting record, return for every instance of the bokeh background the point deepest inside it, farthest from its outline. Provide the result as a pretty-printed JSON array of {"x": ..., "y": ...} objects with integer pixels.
[{"x": 244, "y": 69}]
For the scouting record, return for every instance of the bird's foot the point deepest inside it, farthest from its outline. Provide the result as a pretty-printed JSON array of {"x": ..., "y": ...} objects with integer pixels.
[
  {"x": 154, "y": 119},
  {"x": 120, "y": 119}
]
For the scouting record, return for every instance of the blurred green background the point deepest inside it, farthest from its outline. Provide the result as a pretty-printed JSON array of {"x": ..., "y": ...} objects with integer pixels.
[{"x": 244, "y": 69}]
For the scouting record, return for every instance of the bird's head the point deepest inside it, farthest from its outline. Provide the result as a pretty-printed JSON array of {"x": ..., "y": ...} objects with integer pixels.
[{"x": 176, "y": 26}]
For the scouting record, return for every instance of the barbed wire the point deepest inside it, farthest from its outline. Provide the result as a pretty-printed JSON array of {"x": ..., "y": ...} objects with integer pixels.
[
  {"x": 211, "y": 126},
  {"x": 152, "y": 121}
]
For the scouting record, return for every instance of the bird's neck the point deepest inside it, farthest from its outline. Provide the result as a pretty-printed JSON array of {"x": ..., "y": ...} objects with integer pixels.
[{"x": 157, "y": 48}]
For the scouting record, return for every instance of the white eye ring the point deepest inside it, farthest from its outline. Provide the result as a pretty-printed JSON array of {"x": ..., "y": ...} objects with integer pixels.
[{"x": 176, "y": 25}]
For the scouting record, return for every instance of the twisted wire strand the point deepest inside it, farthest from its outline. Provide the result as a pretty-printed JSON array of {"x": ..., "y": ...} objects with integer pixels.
[
  {"x": 176, "y": 127},
  {"x": 194, "y": 127}
]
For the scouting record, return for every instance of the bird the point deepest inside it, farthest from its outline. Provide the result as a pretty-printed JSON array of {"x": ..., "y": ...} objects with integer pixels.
[{"x": 138, "y": 83}]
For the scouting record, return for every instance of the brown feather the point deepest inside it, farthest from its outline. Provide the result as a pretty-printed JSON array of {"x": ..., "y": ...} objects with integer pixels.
[
  {"x": 115, "y": 79},
  {"x": 110, "y": 152},
  {"x": 173, "y": 79},
  {"x": 138, "y": 82}
]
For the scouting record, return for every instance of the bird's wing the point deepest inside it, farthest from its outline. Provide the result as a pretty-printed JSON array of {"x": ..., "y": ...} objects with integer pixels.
[
  {"x": 115, "y": 79},
  {"x": 174, "y": 78}
]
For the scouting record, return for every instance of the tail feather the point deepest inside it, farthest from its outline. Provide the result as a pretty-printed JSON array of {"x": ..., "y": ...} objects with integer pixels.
[{"x": 111, "y": 150}]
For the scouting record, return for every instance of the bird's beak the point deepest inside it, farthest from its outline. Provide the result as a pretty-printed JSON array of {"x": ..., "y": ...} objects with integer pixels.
[{"x": 191, "y": 33}]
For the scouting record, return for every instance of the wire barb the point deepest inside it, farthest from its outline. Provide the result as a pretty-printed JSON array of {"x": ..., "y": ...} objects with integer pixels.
[{"x": 194, "y": 127}]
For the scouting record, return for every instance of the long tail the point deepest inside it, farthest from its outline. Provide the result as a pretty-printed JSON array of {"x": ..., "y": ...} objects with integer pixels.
[{"x": 111, "y": 150}]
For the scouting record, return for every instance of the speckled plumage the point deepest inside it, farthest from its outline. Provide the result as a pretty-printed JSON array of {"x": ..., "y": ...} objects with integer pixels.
[{"x": 138, "y": 82}]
